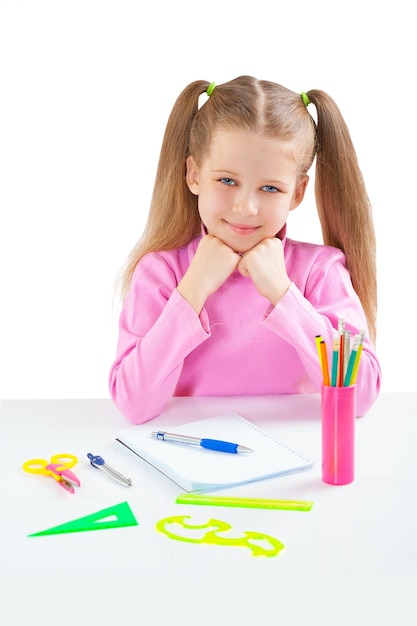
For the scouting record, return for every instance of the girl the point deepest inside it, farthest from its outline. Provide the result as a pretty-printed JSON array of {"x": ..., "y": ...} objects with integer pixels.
[{"x": 217, "y": 299}]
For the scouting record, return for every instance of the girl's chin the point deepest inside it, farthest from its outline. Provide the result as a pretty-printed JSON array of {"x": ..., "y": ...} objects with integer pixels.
[
  {"x": 242, "y": 244},
  {"x": 238, "y": 244}
]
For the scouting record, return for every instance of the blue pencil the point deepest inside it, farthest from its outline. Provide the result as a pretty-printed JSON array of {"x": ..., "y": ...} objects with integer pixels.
[{"x": 335, "y": 361}]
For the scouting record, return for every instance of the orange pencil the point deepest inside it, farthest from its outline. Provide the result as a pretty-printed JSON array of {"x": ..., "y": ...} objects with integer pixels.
[{"x": 324, "y": 363}]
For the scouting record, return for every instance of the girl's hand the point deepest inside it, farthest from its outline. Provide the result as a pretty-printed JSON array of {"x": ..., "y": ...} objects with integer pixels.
[
  {"x": 265, "y": 265},
  {"x": 212, "y": 264}
]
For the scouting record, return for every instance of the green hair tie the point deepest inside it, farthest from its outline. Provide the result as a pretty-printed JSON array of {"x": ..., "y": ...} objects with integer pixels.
[
  {"x": 210, "y": 89},
  {"x": 305, "y": 98}
]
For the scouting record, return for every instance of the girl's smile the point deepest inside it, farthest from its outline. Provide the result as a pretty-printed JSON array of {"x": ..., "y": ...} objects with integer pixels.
[{"x": 242, "y": 229}]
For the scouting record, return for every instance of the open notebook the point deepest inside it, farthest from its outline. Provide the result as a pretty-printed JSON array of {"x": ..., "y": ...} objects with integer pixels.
[{"x": 197, "y": 469}]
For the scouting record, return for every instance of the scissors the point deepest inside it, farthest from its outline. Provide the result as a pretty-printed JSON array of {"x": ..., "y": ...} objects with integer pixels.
[{"x": 58, "y": 468}]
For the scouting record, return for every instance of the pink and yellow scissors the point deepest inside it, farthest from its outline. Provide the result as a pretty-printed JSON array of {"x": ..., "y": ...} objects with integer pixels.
[{"x": 58, "y": 468}]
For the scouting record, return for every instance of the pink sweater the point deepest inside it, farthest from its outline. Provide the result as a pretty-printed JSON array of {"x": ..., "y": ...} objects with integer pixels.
[{"x": 240, "y": 344}]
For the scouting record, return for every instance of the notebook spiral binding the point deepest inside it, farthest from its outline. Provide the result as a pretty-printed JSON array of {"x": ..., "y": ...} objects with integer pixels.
[{"x": 262, "y": 432}]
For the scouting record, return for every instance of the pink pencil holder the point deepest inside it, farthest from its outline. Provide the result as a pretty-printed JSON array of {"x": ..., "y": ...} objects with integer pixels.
[{"x": 338, "y": 415}]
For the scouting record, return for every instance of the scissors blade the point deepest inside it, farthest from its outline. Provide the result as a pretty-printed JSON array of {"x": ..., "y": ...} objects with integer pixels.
[
  {"x": 64, "y": 476},
  {"x": 66, "y": 485}
]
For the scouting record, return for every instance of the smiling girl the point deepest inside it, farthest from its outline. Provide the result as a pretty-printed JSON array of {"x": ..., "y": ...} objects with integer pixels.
[{"x": 217, "y": 300}]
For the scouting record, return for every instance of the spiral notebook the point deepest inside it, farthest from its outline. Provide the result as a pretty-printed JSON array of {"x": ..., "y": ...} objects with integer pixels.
[{"x": 194, "y": 468}]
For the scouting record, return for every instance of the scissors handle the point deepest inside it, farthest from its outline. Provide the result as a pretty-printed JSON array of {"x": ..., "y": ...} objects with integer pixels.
[
  {"x": 41, "y": 466},
  {"x": 69, "y": 460},
  {"x": 35, "y": 466}
]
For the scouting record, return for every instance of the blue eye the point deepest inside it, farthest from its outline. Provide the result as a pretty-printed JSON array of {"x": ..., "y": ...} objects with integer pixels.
[
  {"x": 270, "y": 189},
  {"x": 227, "y": 181}
]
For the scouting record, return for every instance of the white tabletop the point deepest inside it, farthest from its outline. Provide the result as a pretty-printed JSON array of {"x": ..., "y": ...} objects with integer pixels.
[{"x": 353, "y": 555}]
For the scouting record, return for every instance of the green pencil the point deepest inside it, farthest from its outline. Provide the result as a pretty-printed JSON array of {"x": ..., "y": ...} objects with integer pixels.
[{"x": 352, "y": 360}]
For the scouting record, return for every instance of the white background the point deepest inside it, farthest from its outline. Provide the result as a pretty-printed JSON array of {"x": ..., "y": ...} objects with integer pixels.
[{"x": 86, "y": 87}]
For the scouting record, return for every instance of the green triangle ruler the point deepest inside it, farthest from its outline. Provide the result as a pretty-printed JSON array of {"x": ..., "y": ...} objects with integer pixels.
[{"x": 121, "y": 515}]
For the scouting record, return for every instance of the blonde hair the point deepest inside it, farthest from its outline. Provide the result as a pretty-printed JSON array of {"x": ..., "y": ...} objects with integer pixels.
[{"x": 276, "y": 112}]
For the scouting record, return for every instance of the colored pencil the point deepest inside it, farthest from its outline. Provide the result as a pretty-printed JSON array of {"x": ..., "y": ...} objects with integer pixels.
[
  {"x": 324, "y": 363},
  {"x": 341, "y": 360},
  {"x": 357, "y": 360},
  {"x": 347, "y": 351},
  {"x": 319, "y": 339},
  {"x": 346, "y": 354},
  {"x": 335, "y": 360},
  {"x": 351, "y": 362}
]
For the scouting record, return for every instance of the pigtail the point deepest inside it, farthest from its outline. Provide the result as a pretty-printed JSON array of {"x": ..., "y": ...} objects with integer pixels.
[
  {"x": 342, "y": 202},
  {"x": 173, "y": 218},
  {"x": 181, "y": 220}
]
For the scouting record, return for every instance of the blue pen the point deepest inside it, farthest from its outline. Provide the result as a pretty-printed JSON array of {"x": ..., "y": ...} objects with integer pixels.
[{"x": 210, "y": 444}]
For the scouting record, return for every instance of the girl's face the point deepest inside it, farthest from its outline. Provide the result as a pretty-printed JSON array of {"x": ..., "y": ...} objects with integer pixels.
[{"x": 246, "y": 187}]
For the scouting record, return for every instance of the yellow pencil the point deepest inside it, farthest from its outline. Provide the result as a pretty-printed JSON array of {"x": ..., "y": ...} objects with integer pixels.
[{"x": 319, "y": 339}]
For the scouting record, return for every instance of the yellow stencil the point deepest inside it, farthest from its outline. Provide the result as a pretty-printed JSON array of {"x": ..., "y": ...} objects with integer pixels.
[{"x": 251, "y": 539}]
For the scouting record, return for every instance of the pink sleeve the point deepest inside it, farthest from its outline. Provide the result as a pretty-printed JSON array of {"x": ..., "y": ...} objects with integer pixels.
[
  {"x": 157, "y": 329},
  {"x": 329, "y": 296}
]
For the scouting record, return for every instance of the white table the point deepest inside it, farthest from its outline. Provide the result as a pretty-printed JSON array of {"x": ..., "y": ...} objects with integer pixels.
[{"x": 351, "y": 559}]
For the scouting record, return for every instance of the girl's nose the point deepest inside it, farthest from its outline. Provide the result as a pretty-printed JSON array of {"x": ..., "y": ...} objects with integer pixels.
[{"x": 245, "y": 205}]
